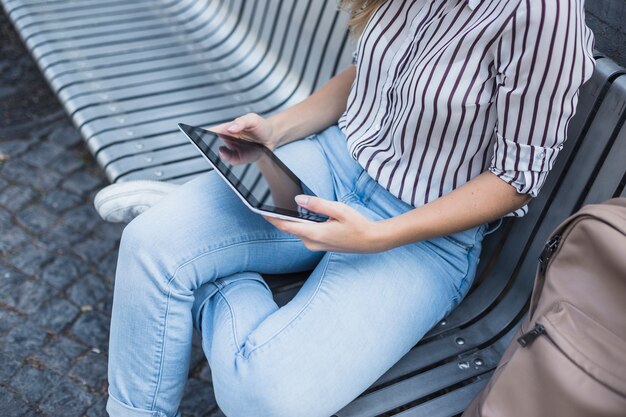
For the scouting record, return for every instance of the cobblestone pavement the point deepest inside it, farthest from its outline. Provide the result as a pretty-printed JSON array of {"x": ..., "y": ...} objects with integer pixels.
[{"x": 57, "y": 258}]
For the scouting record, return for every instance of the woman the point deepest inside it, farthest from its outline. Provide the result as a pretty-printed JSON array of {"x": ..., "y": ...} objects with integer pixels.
[{"x": 450, "y": 118}]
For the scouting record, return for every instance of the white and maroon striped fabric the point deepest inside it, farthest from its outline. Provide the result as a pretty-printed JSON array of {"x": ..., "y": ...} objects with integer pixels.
[{"x": 447, "y": 89}]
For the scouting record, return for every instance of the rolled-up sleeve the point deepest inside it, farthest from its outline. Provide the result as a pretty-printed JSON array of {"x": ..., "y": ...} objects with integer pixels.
[{"x": 543, "y": 57}]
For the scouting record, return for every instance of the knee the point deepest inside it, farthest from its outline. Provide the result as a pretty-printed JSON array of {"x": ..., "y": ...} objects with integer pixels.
[
  {"x": 150, "y": 233},
  {"x": 138, "y": 239},
  {"x": 136, "y": 232},
  {"x": 144, "y": 253},
  {"x": 165, "y": 248}
]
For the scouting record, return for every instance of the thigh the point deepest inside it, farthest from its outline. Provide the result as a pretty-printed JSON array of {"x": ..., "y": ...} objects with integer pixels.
[
  {"x": 307, "y": 160},
  {"x": 401, "y": 293},
  {"x": 323, "y": 162},
  {"x": 203, "y": 231},
  {"x": 353, "y": 319}
]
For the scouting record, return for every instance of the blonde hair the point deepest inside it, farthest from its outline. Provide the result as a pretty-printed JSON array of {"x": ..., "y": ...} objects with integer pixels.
[{"x": 360, "y": 12}]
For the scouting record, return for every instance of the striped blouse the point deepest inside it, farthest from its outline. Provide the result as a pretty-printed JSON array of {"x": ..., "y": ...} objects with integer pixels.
[{"x": 447, "y": 89}]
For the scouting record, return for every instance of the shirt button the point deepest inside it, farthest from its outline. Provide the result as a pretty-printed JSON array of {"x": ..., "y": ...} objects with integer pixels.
[{"x": 541, "y": 155}]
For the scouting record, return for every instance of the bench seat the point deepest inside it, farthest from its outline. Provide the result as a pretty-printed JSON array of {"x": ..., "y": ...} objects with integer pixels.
[{"x": 127, "y": 72}]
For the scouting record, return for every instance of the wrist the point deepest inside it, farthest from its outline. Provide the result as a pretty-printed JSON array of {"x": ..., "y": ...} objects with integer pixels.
[
  {"x": 278, "y": 129},
  {"x": 381, "y": 236},
  {"x": 400, "y": 230}
]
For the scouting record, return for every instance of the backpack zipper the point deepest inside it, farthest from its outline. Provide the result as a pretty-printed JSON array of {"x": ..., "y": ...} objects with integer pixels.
[
  {"x": 548, "y": 251},
  {"x": 529, "y": 337}
]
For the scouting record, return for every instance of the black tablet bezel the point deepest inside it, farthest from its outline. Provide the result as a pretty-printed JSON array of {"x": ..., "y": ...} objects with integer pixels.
[{"x": 236, "y": 184}]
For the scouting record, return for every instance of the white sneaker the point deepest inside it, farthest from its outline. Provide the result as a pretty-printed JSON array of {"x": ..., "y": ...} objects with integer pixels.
[{"x": 122, "y": 202}]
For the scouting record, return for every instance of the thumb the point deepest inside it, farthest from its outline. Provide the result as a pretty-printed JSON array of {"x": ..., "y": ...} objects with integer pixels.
[
  {"x": 247, "y": 121},
  {"x": 332, "y": 209},
  {"x": 219, "y": 129}
]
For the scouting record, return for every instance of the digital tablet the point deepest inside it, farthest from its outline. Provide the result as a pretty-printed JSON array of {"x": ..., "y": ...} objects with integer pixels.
[{"x": 257, "y": 176}]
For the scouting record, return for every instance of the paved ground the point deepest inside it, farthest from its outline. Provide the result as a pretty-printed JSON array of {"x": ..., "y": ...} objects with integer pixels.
[{"x": 57, "y": 258}]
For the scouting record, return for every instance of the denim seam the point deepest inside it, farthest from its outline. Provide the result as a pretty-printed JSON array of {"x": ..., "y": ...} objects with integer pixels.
[
  {"x": 469, "y": 252},
  {"x": 357, "y": 182},
  {"x": 227, "y": 246},
  {"x": 458, "y": 243},
  {"x": 233, "y": 317},
  {"x": 353, "y": 193},
  {"x": 169, "y": 294},
  {"x": 233, "y": 320},
  {"x": 155, "y": 413},
  {"x": 368, "y": 187},
  {"x": 462, "y": 245},
  {"x": 464, "y": 279},
  {"x": 348, "y": 197},
  {"x": 160, "y": 354},
  {"x": 219, "y": 283},
  {"x": 333, "y": 173},
  {"x": 428, "y": 245},
  {"x": 198, "y": 321},
  {"x": 297, "y": 316}
]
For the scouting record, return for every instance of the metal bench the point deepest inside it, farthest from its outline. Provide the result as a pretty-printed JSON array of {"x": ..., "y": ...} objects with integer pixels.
[{"x": 127, "y": 72}]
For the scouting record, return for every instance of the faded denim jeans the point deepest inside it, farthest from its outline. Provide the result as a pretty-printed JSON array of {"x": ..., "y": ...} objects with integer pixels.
[{"x": 194, "y": 261}]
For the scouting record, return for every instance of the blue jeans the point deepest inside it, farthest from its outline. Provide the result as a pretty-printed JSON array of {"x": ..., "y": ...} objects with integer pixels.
[{"x": 195, "y": 259}]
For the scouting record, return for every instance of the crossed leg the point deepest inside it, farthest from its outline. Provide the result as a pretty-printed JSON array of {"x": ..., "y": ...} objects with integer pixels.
[{"x": 355, "y": 316}]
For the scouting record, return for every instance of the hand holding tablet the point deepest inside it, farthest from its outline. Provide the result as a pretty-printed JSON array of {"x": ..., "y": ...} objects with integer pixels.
[{"x": 257, "y": 176}]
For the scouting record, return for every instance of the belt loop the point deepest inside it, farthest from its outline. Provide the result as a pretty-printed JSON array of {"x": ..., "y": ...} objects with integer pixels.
[{"x": 365, "y": 186}]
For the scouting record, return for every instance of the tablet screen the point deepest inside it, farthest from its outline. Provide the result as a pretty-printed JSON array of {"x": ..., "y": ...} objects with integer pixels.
[{"x": 254, "y": 172}]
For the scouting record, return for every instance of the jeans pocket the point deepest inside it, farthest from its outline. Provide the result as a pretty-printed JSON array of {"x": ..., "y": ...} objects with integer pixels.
[
  {"x": 467, "y": 239},
  {"x": 493, "y": 226},
  {"x": 454, "y": 240}
]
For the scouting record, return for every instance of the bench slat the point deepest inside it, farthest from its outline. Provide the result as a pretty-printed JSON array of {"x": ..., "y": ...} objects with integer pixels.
[
  {"x": 137, "y": 14},
  {"x": 449, "y": 404},
  {"x": 419, "y": 386},
  {"x": 226, "y": 52},
  {"x": 139, "y": 148},
  {"x": 172, "y": 170},
  {"x": 55, "y": 66},
  {"x": 51, "y": 7},
  {"x": 61, "y": 16}
]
